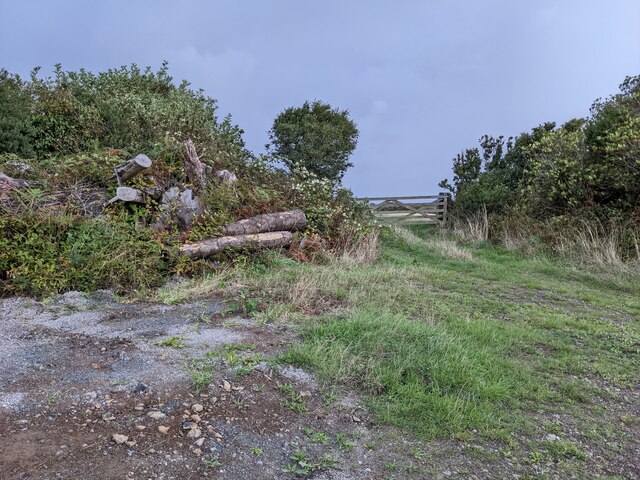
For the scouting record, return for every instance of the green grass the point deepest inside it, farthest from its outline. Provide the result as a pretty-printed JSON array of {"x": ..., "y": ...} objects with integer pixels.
[
  {"x": 173, "y": 342},
  {"x": 444, "y": 339}
]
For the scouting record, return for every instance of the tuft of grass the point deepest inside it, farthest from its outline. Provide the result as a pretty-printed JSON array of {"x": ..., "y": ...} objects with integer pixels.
[
  {"x": 343, "y": 443},
  {"x": 365, "y": 250},
  {"x": 472, "y": 228},
  {"x": 212, "y": 462},
  {"x": 190, "y": 289},
  {"x": 442, "y": 245},
  {"x": 238, "y": 347},
  {"x": 592, "y": 243},
  {"x": 316, "y": 437},
  {"x": 201, "y": 373},
  {"x": 293, "y": 399},
  {"x": 301, "y": 464},
  {"x": 173, "y": 342},
  {"x": 564, "y": 449}
]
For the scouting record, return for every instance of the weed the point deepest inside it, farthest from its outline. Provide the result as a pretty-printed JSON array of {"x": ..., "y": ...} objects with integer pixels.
[
  {"x": 316, "y": 437},
  {"x": 249, "y": 304},
  {"x": 320, "y": 437},
  {"x": 201, "y": 374},
  {"x": 238, "y": 347},
  {"x": 301, "y": 464},
  {"x": 417, "y": 453},
  {"x": 535, "y": 457},
  {"x": 243, "y": 371},
  {"x": 563, "y": 449},
  {"x": 343, "y": 443},
  {"x": 173, "y": 342},
  {"x": 212, "y": 462},
  {"x": 231, "y": 359},
  {"x": 241, "y": 403},
  {"x": 204, "y": 317},
  {"x": 53, "y": 398},
  {"x": 328, "y": 399},
  {"x": 294, "y": 399},
  {"x": 256, "y": 451}
]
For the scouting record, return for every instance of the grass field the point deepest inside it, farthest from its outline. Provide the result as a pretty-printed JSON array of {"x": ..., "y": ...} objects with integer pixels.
[{"x": 470, "y": 342}]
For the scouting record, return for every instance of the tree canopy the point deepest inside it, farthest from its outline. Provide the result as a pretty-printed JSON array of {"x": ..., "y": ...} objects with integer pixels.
[
  {"x": 314, "y": 136},
  {"x": 585, "y": 164}
]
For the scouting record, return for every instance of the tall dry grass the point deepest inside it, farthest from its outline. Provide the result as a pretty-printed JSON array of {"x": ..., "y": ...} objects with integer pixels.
[
  {"x": 444, "y": 246},
  {"x": 365, "y": 250},
  {"x": 609, "y": 245},
  {"x": 473, "y": 227}
]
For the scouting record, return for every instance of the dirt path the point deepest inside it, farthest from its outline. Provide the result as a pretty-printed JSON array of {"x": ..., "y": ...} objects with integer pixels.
[{"x": 80, "y": 375}]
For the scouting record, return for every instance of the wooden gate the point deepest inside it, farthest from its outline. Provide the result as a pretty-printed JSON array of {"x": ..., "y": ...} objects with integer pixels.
[{"x": 410, "y": 210}]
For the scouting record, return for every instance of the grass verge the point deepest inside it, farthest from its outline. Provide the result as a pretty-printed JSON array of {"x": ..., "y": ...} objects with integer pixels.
[
  {"x": 446, "y": 339},
  {"x": 445, "y": 342}
]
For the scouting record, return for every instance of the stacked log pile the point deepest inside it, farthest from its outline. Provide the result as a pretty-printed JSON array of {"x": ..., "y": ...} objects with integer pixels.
[
  {"x": 270, "y": 230},
  {"x": 181, "y": 206}
]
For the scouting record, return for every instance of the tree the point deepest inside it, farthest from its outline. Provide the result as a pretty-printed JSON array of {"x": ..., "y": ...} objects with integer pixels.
[{"x": 316, "y": 137}]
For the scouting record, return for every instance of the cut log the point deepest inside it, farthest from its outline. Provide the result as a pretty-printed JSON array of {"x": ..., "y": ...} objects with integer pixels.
[
  {"x": 127, "y": 194},
  {"x": 211, "y": 246},
  {"x": 132, "y": 167},
  {"x": 7, "y": 183},
  {"x": 268, "y": 222},
  {"x": 196, "y": 170}
]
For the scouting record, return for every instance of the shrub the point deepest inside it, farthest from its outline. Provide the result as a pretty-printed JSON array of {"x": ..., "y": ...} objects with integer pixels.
[
  {"x": 15, "y": 110},
  {"x": 333, "y": 212},
  {"x": 126, "y": 108},
  {"x": 585, "y": 171},
  {"x": 43, "y": 254}
]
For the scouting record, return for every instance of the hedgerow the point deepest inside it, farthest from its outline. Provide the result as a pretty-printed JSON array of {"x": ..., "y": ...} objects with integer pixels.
[
  {"x": 556, "y": 178},
  {"x": 65, "y": 135}
]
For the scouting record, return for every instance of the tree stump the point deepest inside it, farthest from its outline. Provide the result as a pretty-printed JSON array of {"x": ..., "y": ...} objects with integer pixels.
[
  {"x": 196, "y": 170},
  {"x": 128, "y": 194},
  {"x": 132, "y": 167}
]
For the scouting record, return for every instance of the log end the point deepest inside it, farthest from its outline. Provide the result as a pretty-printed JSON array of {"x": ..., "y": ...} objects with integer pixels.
[{"x": 142, "y": 160}]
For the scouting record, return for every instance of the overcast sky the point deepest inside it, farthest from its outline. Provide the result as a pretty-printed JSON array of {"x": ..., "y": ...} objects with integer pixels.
[{"x": 422, "y": 79}]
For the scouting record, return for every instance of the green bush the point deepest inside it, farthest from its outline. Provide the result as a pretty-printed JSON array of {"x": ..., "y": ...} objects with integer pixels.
[
  {"x": 126, "y": 108},
  {"x": 586, "y": 169},
  {"x": 42, "y": 254},
  {"x": 15, "y": 111}
]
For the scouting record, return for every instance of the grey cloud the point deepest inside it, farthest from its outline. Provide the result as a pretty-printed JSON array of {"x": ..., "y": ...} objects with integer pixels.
[{"x": 423, "y": 79}]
